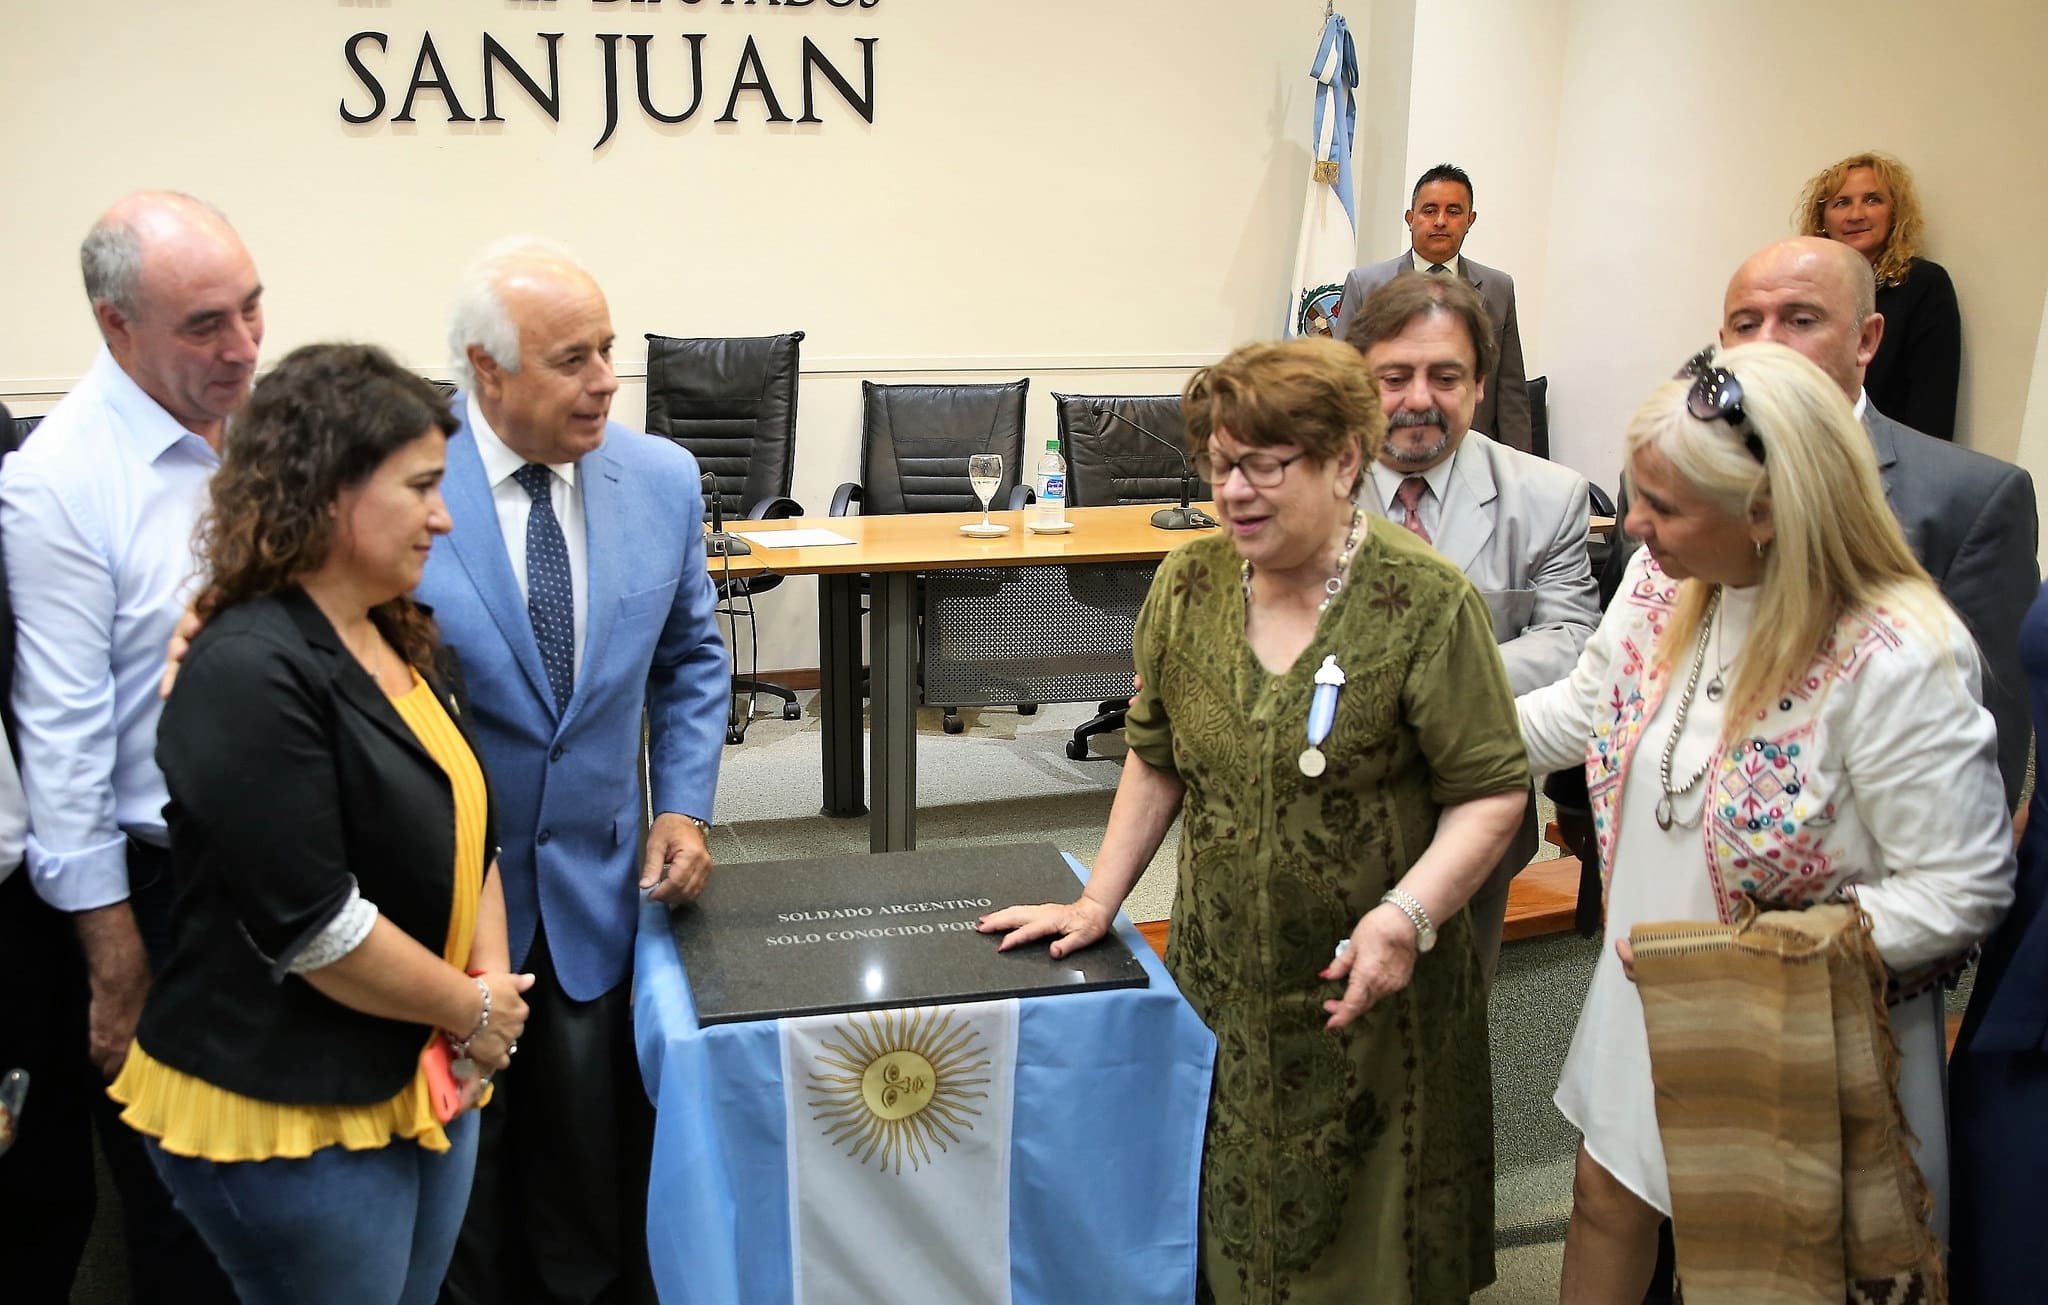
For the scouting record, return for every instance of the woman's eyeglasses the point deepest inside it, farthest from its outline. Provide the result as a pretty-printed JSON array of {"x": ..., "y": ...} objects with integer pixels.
[
  {"x": 1261, "y": 470},
  {"x": 1717, "y": 396}
]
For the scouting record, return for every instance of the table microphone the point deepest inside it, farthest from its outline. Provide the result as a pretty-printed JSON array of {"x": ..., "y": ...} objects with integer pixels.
[
  {"x": 718, "y": 543},
  {"x": 1173, "y": 518}
]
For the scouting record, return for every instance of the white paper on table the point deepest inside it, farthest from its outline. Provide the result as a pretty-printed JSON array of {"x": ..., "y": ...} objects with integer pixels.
[{"x": 792, "y": 538}]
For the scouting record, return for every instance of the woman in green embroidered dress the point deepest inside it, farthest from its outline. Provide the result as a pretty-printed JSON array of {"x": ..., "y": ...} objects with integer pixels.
[{"x": 1350, "y": 1141}]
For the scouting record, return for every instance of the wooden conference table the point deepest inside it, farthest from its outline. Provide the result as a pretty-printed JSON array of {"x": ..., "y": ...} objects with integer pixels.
[{"x": 890, "y": 551}]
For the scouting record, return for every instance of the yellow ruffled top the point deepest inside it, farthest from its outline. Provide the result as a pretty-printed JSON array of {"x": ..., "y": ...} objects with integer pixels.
[{"x": 191, "y": 1117}]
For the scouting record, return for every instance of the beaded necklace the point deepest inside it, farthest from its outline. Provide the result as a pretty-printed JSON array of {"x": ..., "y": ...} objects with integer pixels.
[{"x": 1331, "y": 587}]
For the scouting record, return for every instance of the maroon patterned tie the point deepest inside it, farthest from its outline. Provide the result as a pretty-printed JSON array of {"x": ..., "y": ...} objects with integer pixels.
[{"x": 1409, "y": 496}]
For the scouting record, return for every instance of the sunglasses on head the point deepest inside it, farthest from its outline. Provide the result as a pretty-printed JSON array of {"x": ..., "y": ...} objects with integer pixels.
[{"x": 1717, "y": 396}]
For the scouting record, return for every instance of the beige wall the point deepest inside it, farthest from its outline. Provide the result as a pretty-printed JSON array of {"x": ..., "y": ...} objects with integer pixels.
[
  {"x": 1485, "y": 95},
  {"x": 1045, "y": 183},
  {"x": 1628, "y": 156}
]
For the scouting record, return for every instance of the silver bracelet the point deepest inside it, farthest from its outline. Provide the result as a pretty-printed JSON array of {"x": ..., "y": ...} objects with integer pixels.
[
  {"x": 483, "y": 1021},
  {"x": 1410, "y": 908}
]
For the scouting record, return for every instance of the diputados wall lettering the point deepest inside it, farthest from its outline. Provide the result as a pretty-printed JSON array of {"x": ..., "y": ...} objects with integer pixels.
[{"x": 668, "y": 72}]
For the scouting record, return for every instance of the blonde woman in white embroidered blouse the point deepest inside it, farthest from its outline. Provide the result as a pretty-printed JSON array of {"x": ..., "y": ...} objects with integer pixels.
[{"x": 1778, "y": 704}]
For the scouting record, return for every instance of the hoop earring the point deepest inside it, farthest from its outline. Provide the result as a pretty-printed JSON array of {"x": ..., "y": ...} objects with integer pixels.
[{"x": 1759, "y": 549}]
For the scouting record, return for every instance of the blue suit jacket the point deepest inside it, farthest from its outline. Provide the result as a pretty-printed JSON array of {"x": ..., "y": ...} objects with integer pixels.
[{"x": 566, "y": 784}]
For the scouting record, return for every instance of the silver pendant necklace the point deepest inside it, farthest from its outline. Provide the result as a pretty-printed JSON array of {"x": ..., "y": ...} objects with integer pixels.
[
  {"x": 1667, "y": 800},
  {"x": 1718, "y": 685}
]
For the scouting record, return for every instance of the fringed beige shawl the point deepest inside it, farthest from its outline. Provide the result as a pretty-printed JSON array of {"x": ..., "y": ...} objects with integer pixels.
[{"x": 1777, "y": 1096}]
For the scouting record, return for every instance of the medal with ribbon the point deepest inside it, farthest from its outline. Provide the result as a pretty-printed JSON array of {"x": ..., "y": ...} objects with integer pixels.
[{"x": 1322, "y": 714}]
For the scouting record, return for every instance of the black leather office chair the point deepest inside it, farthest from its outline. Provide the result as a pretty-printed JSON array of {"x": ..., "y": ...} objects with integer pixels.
[
  {"x": 1110, "y": 462},
  {"x": 916, "y": 439},
  {"x": 13, "y": 429},
  {"x": 732, "y": 403},
  {"x": 915, "y": 442}
]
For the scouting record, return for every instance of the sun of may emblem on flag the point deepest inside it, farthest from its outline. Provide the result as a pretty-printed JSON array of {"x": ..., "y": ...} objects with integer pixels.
[{"x": 892, "y": 1085}]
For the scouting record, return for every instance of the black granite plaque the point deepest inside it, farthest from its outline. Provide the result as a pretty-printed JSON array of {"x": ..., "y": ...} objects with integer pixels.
[{"x": 776, "y": 938}]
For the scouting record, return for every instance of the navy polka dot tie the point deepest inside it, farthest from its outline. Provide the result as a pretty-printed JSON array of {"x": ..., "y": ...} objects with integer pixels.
[{"x": 550, "y": 598}]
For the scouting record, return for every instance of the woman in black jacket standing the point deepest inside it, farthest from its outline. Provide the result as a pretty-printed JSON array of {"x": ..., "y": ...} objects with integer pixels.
[
  {"x": 308, "y": 1064},
  {"x": 1868, "y": 202}
]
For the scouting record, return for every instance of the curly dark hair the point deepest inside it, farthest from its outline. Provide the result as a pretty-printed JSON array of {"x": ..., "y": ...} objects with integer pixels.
[{"x": 324, "y": 420}]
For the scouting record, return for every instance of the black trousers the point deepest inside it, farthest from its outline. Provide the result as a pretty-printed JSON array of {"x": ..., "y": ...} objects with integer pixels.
[
  {"x": 47, "y": 1188},
  {"x": 558, "y": 1212}
]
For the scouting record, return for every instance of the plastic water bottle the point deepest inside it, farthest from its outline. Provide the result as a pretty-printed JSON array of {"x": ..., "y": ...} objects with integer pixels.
[{"x": 1050, "y": 511}]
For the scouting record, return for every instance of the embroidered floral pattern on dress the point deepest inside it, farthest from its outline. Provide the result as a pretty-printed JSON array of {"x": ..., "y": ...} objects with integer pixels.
[
  {"x": 1767, "y": 825},
  {"x": 1844, "y": 653},
  {"x": 1771, "y": 811}
]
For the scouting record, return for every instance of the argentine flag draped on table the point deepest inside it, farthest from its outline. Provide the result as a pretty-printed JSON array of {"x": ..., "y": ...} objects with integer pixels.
[
  {"x": 1329, "y": 224},
  {"x": 1042, "y": 1151}
]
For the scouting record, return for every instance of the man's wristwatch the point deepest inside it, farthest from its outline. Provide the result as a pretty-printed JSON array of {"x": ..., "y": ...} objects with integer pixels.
[
  {"x": 703, "y": 826},
  {"x": 1425, "y": 932}
]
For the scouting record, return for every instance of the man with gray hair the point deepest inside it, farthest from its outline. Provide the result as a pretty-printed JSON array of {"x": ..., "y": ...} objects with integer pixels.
[
  {"x": 97, "y": 511},
  {"x": 575, "y": 593}
]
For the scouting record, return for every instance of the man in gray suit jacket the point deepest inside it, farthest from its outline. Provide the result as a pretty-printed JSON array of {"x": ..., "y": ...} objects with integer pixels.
[
  {"x": 1514, "y": 523},
  {"x": 1970, "y": 519},
  {"x": 1440, "y": 215}
]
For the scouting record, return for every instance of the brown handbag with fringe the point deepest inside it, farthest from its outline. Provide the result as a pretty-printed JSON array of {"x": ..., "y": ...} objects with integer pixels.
[{"x": 1776, "y": 1074}]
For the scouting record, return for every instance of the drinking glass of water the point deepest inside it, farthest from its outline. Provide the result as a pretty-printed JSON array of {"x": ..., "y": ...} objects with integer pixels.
[{"x": 985, "y": 473}]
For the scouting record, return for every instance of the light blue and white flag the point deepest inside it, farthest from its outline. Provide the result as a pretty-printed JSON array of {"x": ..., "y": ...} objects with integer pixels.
[
  {"x": 1329, "y": 221},
  {"x": 1037, "y": 1152}
]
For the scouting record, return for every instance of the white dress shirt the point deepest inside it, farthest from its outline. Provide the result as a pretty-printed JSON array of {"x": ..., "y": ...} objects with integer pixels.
[
  {"x": 98, "y": 509},
  {"x": 515, "y": 504},
  {"x": 13, "y": 816},
  {"x": 1455, "y": 266},
  {"x": 1386, "y": 482}
]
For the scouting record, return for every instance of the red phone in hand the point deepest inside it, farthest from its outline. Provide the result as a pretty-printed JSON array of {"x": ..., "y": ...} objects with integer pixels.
[{"x": 444, "y": 1090}]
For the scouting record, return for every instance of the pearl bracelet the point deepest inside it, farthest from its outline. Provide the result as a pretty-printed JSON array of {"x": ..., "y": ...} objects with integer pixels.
[{"x": 483, "y": 1021}]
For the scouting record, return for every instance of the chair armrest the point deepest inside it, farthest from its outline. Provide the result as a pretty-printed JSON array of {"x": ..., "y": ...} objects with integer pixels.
[
  {"x": 1603, "y": 506},
  {"x": 1022, "y": 496},
  {"x": 775, "y": 509},
  {"x": 844, "y": 496}
]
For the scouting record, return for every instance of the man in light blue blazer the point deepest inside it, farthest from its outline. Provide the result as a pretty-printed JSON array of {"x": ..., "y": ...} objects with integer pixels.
[
  {"x": 1514, "y": 523},
  {"x": 574, "y": 592}
]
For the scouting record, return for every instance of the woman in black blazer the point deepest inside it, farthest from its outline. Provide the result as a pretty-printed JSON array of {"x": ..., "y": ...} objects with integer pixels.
[
  {"x": 1868, "y": 202},
  {"x": 308, "y": 1064}
]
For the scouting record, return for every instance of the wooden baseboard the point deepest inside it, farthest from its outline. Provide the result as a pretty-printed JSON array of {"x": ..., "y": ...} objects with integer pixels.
[
  {"x": 1155, "y": 933},
  {"x": 801, "y": 680},
  {"x": 1543, "y": 899}
]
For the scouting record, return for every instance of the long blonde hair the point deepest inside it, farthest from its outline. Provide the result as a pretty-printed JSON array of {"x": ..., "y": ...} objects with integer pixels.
[
  {"x": 1837, "y": 546},
  {"x": 1901, "y": 242}
]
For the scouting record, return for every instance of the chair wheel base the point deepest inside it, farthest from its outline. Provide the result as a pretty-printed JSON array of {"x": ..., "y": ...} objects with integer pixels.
[
  {"x": 1077, "y": 749},
  {"x": 790, "y": 711},
  {"x": 1027, "y": 709},
  {"x": 735, "y": 737},
  {"x": 953, "y": 725}
]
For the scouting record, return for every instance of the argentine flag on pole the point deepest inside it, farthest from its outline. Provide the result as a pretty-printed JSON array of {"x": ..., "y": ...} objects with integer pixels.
[
  {"x": 1329, "y": 225},
  {"x": 1043, "y": 1151}
]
